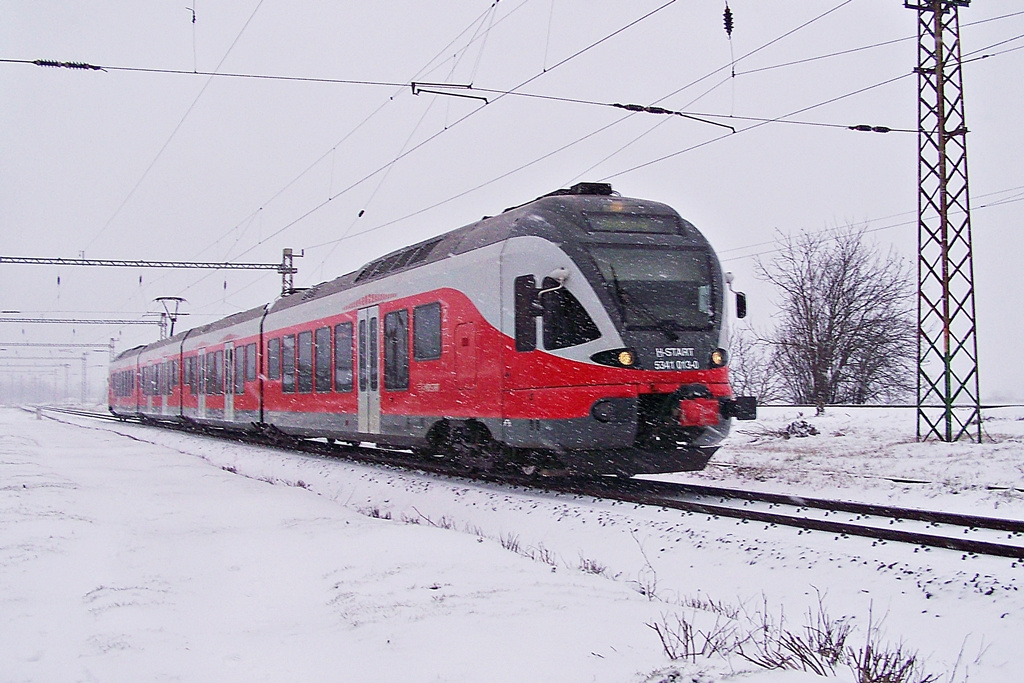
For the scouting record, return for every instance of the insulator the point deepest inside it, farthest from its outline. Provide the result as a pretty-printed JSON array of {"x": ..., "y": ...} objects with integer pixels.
[
  {"x": 66, "y": 65},
  {"x": 728, "y": 20}
]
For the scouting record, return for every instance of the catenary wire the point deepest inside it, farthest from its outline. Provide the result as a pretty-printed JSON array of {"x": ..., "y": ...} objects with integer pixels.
[
  {"x": 423, "y": 70},
  {"x": 174, "y": 132},
  {"x": 463, "y": 118},
  {"x": 748, "y": 118},
  {"x": 513, "y": 91}
]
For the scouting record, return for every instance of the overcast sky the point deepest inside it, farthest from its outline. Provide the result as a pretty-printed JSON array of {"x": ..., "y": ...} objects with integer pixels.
[{"x": 160, "y": 166}]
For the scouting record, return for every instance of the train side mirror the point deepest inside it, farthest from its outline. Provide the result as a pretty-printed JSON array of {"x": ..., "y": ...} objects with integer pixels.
[
  {"x": 560, "y": 275},
  {"x": 741, "y": 305}
]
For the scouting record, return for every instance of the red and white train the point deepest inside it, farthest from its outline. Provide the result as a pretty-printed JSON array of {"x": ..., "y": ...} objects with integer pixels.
[{"x": 582, "y": 331}]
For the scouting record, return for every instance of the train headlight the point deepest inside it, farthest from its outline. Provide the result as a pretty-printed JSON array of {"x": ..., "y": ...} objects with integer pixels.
[
  {"x": 719, "y": 357},
  {"x": 616, "y": 358}
]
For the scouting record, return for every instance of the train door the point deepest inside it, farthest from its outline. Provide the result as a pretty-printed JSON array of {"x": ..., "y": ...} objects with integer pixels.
[
  {"x": 368, "y": 386},
  {"x": 201, "y": 371},
  {"x": 229, "y": 382},
  {"x": 465, "y": 356}
]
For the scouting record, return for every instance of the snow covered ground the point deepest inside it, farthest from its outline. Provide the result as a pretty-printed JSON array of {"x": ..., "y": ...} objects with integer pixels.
[{"x": 132, "y": 553}]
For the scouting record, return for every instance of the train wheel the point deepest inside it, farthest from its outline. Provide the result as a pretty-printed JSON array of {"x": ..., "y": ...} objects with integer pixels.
[{"x": 465, "y": 442}]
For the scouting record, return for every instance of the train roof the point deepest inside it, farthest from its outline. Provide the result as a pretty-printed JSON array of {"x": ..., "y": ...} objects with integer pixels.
[
  {"x": 551, "y": 216},
  {"x": 547, "y": 216},
  {"x": 232, "y": 319}
]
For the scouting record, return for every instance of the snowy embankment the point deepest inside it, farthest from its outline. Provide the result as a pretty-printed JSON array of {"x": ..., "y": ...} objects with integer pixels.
[{"x": 131, "y": 553}]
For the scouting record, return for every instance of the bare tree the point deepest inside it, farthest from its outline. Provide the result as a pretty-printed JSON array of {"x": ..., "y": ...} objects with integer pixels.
[
  {"x": 846, "y": 331},
  {"x": 753, "y": 367}
]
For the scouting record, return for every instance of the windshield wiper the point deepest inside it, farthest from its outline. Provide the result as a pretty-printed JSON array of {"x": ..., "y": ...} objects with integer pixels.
[{"x": 622, "y": 297}]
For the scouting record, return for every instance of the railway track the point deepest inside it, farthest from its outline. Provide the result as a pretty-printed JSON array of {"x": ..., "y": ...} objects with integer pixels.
[{"x": 969, "y": 534}]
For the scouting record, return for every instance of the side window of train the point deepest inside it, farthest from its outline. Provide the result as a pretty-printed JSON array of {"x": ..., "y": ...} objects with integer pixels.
[
  {"x": 201, "y": 373},
  {"x": 305, "y": 364},
  {"x": 274, "y": 359},
  {"x": 322, "y": 354},
  {"x": 526, "y": 317},
  {"x": 239, "y": 374},
  {"x": 566, "y": 323},
  {"x": 288, "y": 364},
  {"x": 250, "y": 362},
  {"x": 426, "y": 331},
  {"x": 209, "y": 374},
  {"x": 373, "y": 326},
  {"x": 218, "y": 372},
  {"x": 362, "y": 354},
  {"x": 396, "y": 350},
  {"x": 343, "y": 357}
]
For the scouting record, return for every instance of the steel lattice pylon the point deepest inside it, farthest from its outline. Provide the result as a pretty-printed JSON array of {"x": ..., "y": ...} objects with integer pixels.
[{"x": 948, "y": 398}]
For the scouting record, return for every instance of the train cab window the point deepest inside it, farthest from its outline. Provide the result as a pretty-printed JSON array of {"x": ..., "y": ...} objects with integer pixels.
[
  {"x": 396, "y": 350},
  {"x": 305, "y": 362},
  {"x": 250, "y": 362},
  {"x": 288, "y": 363},
  {"x": 426, "y": 327},
  {"x": 239, "y": 374},
  {"x": 343, "y": 357},
  {"x": 526, "y": 318},
  {"x": 566, "y": 323},
  {"x": 274, "y": 359},
  {"x": 322, "y": 354}
]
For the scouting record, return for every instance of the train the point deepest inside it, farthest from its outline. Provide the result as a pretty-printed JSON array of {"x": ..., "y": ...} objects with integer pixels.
[{"x": 582, "y": 332}]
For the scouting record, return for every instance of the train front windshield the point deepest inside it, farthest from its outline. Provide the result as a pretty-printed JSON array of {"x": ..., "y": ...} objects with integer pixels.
[{"x": 659, "y": 288}]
